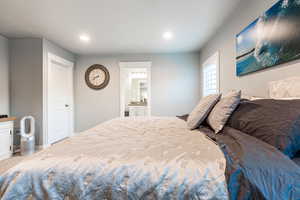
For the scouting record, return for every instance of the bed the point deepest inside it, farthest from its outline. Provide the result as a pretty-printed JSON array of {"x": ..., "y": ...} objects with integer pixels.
[
  {"x": 157, "y": 158},
  {"x": 141, "y": 158}
]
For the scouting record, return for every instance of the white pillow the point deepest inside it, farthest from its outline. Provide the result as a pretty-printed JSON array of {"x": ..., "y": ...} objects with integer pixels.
[
  {"x": 251, "y": 98},
  {"x": 201, "y": 111}
]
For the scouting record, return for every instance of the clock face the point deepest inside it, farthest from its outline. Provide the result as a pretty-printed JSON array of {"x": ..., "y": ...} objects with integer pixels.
[{"x": 97, "y": 77}]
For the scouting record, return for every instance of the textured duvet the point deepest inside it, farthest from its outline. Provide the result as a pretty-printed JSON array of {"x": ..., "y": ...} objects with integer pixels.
[{"x": 141, "y": 158}]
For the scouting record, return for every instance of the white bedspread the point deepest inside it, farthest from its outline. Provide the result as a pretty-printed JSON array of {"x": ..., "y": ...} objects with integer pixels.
[{"x": 142, "y": 158}]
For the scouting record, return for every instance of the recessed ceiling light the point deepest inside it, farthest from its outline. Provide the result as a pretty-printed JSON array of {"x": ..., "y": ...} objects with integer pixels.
[
  {"x": 84, "y": 38},
  {"x": 168, "y": 35}
]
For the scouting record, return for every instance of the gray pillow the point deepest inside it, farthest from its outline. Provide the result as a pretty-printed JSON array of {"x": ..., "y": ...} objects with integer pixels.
[
  {"x": 276, "y": 122},
  {"x": 201, "y": 111},
  {"x": 223, "y": 110}
]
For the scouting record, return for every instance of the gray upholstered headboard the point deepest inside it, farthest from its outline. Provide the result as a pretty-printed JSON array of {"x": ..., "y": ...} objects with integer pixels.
[{"x": 286, "y": 88}]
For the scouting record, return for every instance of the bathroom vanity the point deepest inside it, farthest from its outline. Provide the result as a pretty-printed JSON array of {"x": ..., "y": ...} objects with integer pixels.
[{"x": 6, "y": 137}]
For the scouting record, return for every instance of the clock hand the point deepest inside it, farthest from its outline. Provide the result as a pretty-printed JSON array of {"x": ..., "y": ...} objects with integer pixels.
[{"x": 96, "y": 77}]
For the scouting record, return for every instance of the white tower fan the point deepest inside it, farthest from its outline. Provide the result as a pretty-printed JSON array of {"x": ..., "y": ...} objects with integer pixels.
[{"x": 27, "y": 139}]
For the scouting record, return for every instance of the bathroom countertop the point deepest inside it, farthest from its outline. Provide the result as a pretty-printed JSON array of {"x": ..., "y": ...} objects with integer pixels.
[
  {"x": 137, "y": 104},
  {"x": 7, "y": 119}
]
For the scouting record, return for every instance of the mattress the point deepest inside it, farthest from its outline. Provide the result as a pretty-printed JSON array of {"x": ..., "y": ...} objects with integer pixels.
[{"x": 131, "y": 158}]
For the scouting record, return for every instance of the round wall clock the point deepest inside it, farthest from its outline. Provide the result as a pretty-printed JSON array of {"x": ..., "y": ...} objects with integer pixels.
[{"x": 97, "y": 77}]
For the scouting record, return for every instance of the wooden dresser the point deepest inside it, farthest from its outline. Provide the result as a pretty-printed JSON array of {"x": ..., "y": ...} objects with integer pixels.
[{"x": 6, "y": 137}]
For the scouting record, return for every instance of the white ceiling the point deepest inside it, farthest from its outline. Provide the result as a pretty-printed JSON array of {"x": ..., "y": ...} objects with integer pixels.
[{"x": 116, "y": 26}]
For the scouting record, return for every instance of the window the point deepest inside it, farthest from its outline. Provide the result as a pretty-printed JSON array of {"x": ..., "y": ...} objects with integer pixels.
[{"x": 210, "y": 72}]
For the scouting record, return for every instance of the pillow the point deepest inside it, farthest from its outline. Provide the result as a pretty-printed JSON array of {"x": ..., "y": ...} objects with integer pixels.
[
  {"x": 276, "y": 122},
  {"x": 183, "y": 117},
  {"x": 200, "y": 112},
  {"x": 251, "y": 98},
  {"x": 222, "y": 110}
]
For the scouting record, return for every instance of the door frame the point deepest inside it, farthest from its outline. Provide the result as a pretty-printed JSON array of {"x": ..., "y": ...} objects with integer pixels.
[
  {"x": 128, "y": 65},
  {"x": 50, "y": 57}
]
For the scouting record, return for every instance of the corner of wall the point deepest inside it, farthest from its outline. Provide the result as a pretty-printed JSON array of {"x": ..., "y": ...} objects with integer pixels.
[{"x": 4, "y": 76}]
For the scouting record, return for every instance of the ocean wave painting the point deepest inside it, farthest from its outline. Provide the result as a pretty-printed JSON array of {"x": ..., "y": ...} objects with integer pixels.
[{"x": 272, "y": 39}]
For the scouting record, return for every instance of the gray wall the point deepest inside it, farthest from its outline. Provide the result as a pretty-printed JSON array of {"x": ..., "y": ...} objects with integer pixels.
[
  {"x": 26, "y": 81},
  {"x": 27, "y": 57},
  {"x": 175, "y": 87},
  {"x": 4, "y": 75},
  {"x": 224, "y": 41},
  {"x": 53, "y": 48}
]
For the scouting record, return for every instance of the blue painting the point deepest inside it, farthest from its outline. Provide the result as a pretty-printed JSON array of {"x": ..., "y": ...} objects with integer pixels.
[{"x": 272, "y": 39}]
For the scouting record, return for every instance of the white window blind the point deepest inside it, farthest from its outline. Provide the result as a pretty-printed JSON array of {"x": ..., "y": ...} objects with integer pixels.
[{"x": 211, "y": 75}]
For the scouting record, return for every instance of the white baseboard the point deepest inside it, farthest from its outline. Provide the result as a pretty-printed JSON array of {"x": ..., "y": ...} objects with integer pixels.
[
  {"x": 5, "y": 156},
  {"x": 41, "y": 147}
]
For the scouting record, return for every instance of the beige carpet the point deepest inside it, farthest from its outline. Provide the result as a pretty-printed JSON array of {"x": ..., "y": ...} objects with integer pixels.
[
  {"x": 9, "y": 163},
  {"x": 13, "y": 161}
]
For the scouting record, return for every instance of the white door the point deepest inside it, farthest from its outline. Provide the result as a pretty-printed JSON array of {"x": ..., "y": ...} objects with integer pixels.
[{"x": 60, "y": 99}]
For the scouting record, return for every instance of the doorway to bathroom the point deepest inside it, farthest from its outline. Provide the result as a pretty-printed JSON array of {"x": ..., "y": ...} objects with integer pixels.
[{"x": 135, "y": 89}]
